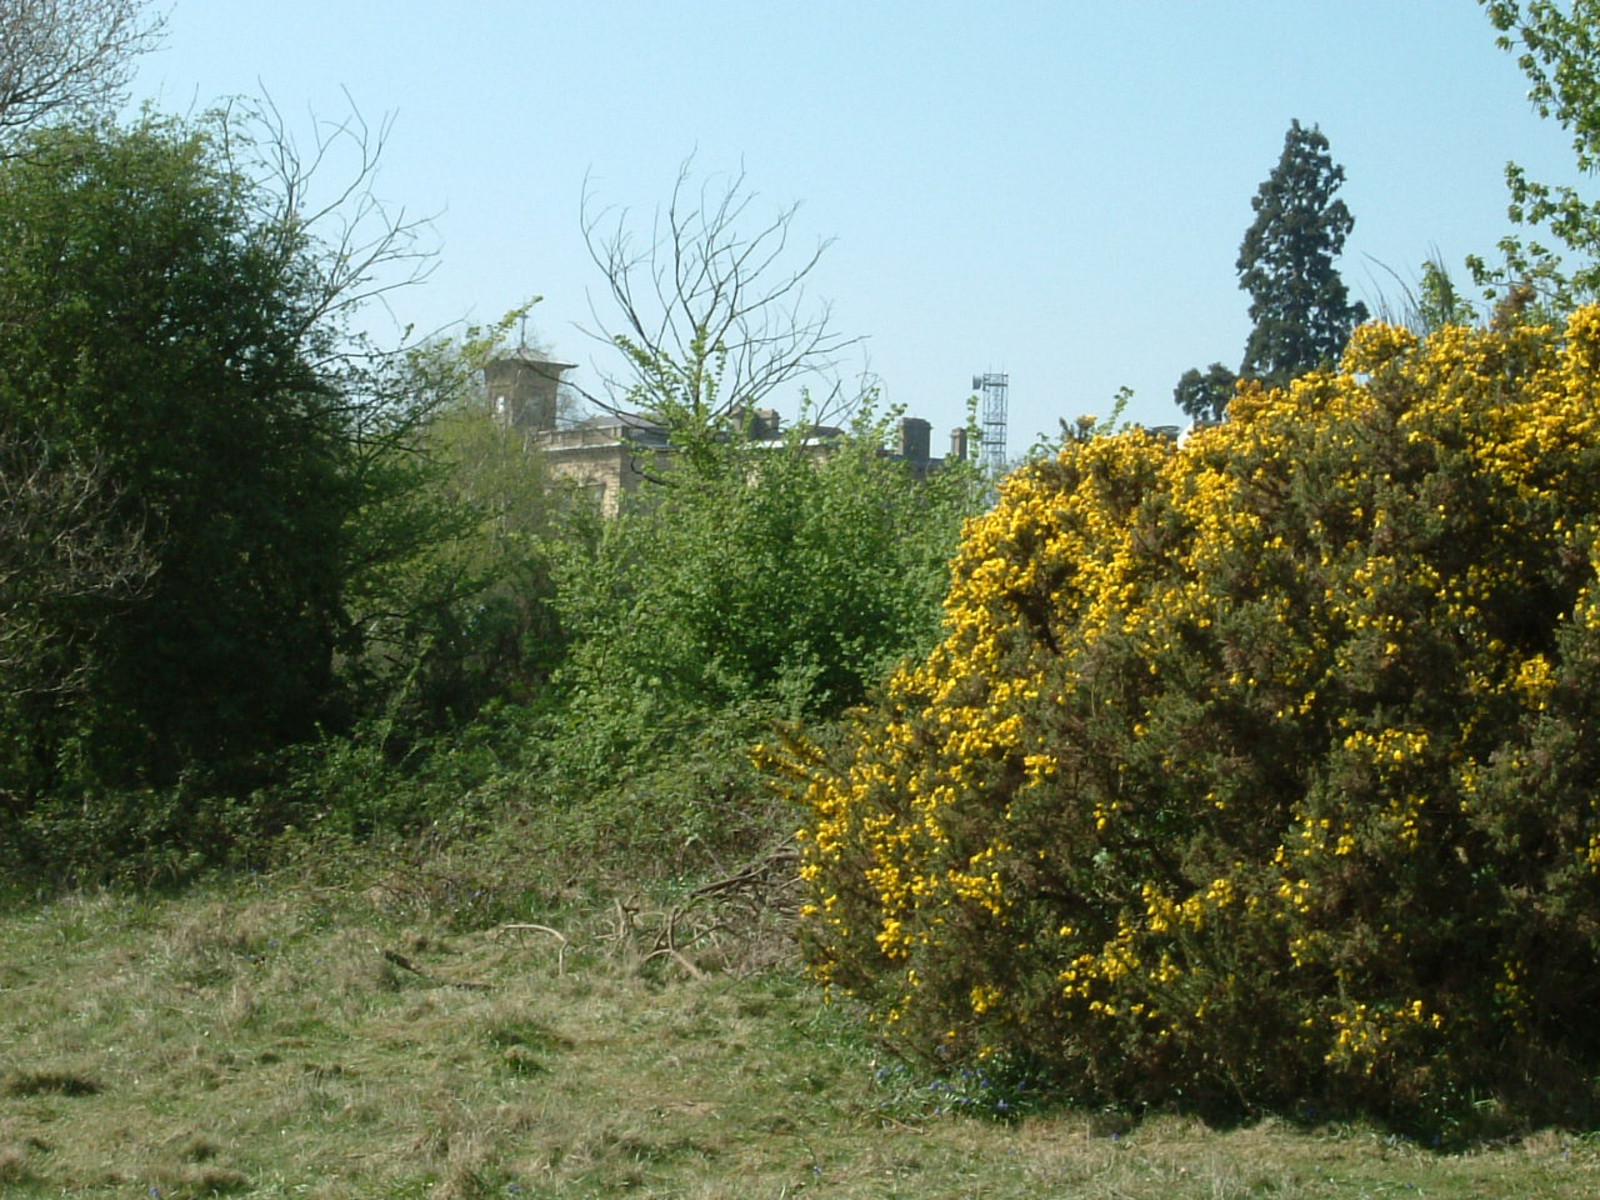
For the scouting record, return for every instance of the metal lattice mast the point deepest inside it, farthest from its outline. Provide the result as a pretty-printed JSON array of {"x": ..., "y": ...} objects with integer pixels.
[{"x": 992, "y": 454}]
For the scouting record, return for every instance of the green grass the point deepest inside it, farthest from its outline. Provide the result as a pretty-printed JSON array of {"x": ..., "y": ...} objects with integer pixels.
[{"x": 252, "y": 1038}]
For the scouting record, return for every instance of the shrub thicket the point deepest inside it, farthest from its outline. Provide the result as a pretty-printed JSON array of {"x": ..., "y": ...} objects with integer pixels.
[
  {"x": 591, "y": 685},
  {"x": 755, "y": 583},
  {"x": 1257, "y": 771},
  {"x": 218, "y": 523},
  {"x": 762, "y": 572}
]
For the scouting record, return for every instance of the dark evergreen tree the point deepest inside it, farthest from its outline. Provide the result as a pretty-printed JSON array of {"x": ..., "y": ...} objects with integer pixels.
[
  {"x": 1204, "y": 397},
  {"x": 1302, "y": 312}
]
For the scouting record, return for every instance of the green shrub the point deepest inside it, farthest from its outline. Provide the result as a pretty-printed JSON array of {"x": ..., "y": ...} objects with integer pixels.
[
  {"x": 771, "y": 573},
  {"x": 1259, "y": 771},
  {"x": 755, "y": 583}
]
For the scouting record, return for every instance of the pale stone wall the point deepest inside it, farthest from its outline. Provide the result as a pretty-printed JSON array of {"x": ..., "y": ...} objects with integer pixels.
[{"x": 607, "y": 457}]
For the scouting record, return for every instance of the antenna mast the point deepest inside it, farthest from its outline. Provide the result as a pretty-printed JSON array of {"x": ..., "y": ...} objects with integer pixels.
[{"x": 992, "y": 454}]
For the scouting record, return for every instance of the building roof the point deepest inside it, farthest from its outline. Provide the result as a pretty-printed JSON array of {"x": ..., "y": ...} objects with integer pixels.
[{"x": 527, "y": 354}]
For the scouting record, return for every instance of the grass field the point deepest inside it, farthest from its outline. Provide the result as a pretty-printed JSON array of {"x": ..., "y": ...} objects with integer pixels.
[{"x": 417, "y": 1031}]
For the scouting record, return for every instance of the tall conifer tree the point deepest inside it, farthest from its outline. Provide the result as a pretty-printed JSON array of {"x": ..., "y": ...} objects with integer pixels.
[{"x": 1302, "y": 312}]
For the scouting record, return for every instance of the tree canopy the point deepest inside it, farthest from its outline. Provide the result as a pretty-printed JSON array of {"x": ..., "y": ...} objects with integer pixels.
[
  {"x": 149, "y": 319},
  {"x": 1300, "y": 307},
  {"x": 168, "y": 320},
  {"x": 1558, "y": 48},
  {"x": 1302, "y": 312},
  {"x": 711, "y": 312},
  {"x": 66, "y": 59}
]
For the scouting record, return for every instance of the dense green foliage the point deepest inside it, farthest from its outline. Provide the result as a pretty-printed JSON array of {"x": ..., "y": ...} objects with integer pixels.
[
  {"x": 756, "y": 582},
  {"x": 257, "y": 575},
  {"x": 150, "y": 321},
  {"x": 785, "y": 572},
  {"x": 1301, "y": 311},
  {"x": 601, "y": 689},
  {"x": 1258, "y": 772},
  {"x": 173, "y": 361}
]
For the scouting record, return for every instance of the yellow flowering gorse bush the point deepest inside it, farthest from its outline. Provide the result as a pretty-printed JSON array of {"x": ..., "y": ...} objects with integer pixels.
[{"x": 1258, "y": 768}]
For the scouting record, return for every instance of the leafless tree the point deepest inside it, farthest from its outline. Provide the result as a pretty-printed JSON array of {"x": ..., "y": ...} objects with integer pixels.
[
  {"x": 712, "y": 313},
  {"x": 67, "y": 57},
  {"x": 316, "y": 196},
  {"x": 322, "y": 190}
]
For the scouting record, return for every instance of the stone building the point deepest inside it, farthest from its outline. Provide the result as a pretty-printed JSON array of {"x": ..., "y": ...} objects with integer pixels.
[
  {"x": 523, "y": 388},
  {"x": 607, "y": 456}
]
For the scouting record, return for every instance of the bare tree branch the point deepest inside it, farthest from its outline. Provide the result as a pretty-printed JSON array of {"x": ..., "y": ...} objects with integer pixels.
[
  {"x": 345, "y": 247},
  {"x": 61, "y": 58},
  {"x": 712, "y": 313},
  {"x": 364, "y": 249}
]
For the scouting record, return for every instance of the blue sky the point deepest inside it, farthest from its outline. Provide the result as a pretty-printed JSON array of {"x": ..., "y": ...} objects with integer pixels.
[{"x": 1054, "y": 190}]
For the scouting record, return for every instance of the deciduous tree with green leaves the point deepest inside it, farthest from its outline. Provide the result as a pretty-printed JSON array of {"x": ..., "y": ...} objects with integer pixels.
[
  {"x": 710, "y": 311},
  {"x": 1558, "y": 48},
  {"x": 172, "y": 319},
  {"x": 756, "y": 567},
  {"x": 749, "y": 578}
]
